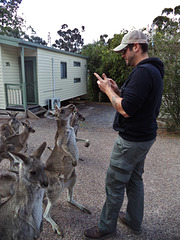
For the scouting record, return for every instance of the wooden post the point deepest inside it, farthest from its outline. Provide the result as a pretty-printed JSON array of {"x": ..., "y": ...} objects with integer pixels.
[{"x": 23, "y": 80}]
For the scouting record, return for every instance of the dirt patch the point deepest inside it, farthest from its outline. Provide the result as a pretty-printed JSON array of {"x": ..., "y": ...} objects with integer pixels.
[{"x": 161, "y": 179}]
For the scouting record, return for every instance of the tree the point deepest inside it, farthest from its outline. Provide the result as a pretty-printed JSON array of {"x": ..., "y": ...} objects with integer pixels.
[
  {"x": 70, "y": 40},
  {"x": 165, "y": 23},
  {"x": 36, "y": 39},
  {"x": 13, "y": 25},
  {"x": 10, "y": 23},
  {"x": 112, "y": 63},
  {"x": 165, "y": 36},
  {"x": 94, "y": 53},
  {"x": 102, "y": 59}
]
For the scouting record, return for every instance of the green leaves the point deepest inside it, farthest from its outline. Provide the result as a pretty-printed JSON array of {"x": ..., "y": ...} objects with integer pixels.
[
  {"x": 70, "y": 40},
  {"x": 10, "y": 23},
  {"x": 102, "y": 59},
  {"x": 166, "y": 46},
  {"x": 13, "y": 25}
]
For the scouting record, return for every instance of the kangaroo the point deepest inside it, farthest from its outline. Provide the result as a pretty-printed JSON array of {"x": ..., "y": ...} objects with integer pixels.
[
  {"x": 22, "y": 214},
  {"x": 11, "y": 127},
  {"x": 16, "y": 142},
  {"x": 60, "y": 165},
  {"x": 14, "y": 123},
  {"x": 75, "y": 118},
  {"x": 74, "y": 122},
  {"x": 19, "y": 140}
]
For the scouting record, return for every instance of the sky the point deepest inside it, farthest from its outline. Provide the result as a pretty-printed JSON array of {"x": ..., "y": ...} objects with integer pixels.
[{"x": 98, "y": 16}]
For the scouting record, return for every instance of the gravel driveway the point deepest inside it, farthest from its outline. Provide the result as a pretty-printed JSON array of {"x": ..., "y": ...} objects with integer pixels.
[{"x": 161, "y": 179}]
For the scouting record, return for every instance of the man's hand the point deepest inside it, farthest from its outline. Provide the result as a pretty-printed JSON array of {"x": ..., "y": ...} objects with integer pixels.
[
  {"x": 103, "y": 83},
  {"x": 107, "y": 82},
  {"x": 110, "y": 88}
]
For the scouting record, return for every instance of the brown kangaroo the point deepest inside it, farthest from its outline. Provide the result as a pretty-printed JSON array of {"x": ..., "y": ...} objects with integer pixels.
[{"x": 61, "y": 163}]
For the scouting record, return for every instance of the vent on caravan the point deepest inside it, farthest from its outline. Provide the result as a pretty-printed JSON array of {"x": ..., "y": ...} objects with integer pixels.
[{"x": 52, "y": 102}]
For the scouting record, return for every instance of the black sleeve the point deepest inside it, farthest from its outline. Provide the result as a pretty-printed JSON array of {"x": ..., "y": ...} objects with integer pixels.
[{"x": 136, "y": 91}]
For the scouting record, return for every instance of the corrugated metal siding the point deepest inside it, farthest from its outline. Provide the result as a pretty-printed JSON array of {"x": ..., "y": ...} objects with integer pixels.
[
  {"x": 29, "y": 53},
  {"x": 64, "y": 88},
  {"x": 9, "y": 70},
  {"x": 10, "y": 64}
]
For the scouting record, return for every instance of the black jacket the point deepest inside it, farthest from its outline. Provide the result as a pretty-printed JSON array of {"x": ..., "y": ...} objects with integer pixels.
[{"x": 141, "y": 93}]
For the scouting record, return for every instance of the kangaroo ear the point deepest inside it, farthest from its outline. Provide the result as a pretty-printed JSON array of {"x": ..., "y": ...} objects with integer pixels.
[
  {"x": 40, "y": 150},
  {"x": 19, "y": 157}
]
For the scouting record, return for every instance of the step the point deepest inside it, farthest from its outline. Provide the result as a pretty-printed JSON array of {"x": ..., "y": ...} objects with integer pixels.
[
  {"x": 35, "y": 112},
  {"x": 34, "y": 108},
  {"x": 40, "y": 112}
]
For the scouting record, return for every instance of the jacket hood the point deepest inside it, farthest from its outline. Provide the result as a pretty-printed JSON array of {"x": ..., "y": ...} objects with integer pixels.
[{"x": 156, "y": 62}]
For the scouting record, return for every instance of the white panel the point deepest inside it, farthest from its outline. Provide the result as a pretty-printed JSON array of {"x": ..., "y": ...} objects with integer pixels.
[
  {"x": 9, "y": 69},
  {"x": 10, "y": 64},
  {"x": 64, "y": 88}
]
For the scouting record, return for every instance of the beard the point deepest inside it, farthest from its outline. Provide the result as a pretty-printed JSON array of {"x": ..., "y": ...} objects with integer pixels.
[
  {"x": 130, "y": 61},
  {"x": 130, "y": 58}
]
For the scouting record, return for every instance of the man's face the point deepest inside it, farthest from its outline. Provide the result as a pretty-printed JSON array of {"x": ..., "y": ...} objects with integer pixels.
[{"x": 128, "y": 56}]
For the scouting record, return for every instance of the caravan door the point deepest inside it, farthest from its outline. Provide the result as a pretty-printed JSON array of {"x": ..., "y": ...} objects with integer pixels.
[{"x": 31, "y": 80}]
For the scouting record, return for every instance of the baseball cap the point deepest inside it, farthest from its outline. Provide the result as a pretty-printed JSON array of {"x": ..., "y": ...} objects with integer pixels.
[{"x": 131, "y": 37}]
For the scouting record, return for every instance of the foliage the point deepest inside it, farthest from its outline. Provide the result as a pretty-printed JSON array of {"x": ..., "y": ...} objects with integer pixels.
[
  {"x": 102, "y": 59},
  {"x": 165, "y": 23},
  {"x": 70, "y": 40},
  {"x": 166, "y": 46},
  {"x": 36, "y": 39},
  {"x": 112, "y": 63},
  {"x": 12, "y": 25},
  {"x": 94, "y": 52}
]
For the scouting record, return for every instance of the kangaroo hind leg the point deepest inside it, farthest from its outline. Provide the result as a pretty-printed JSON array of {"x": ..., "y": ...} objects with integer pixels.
[
  {"x": 70, "y": 199},
  {"x": 52, "y": 197}
]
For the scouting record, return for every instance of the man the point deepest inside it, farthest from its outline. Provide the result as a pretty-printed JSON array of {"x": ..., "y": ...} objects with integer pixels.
[{"x": 137, "y": 104}]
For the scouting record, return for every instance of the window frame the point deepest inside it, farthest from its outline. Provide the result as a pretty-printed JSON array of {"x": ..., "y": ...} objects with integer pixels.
[
  {"x": 77, "y": 80},
  {"x": 77, "y": 64},
  {"x": 63, "y": 70}
]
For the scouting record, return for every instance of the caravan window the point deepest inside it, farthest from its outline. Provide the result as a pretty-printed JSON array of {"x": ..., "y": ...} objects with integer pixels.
[
  {"x": 77, "y": 64},
  {"x": 76, "y": 80},
  {"x": 63, "y": 70}
]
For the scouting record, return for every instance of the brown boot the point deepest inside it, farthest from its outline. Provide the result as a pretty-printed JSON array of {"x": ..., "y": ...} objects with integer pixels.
[
  {"x": 122, "y": 218},
  {"x": 94, "y": 233}
]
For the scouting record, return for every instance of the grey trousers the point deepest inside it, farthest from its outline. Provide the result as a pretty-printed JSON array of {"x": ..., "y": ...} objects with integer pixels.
[{"x": 124, "y": 173}]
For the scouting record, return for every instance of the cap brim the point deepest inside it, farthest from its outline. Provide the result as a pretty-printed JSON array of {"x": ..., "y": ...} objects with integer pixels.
[{"x": 120, "y": 47}]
